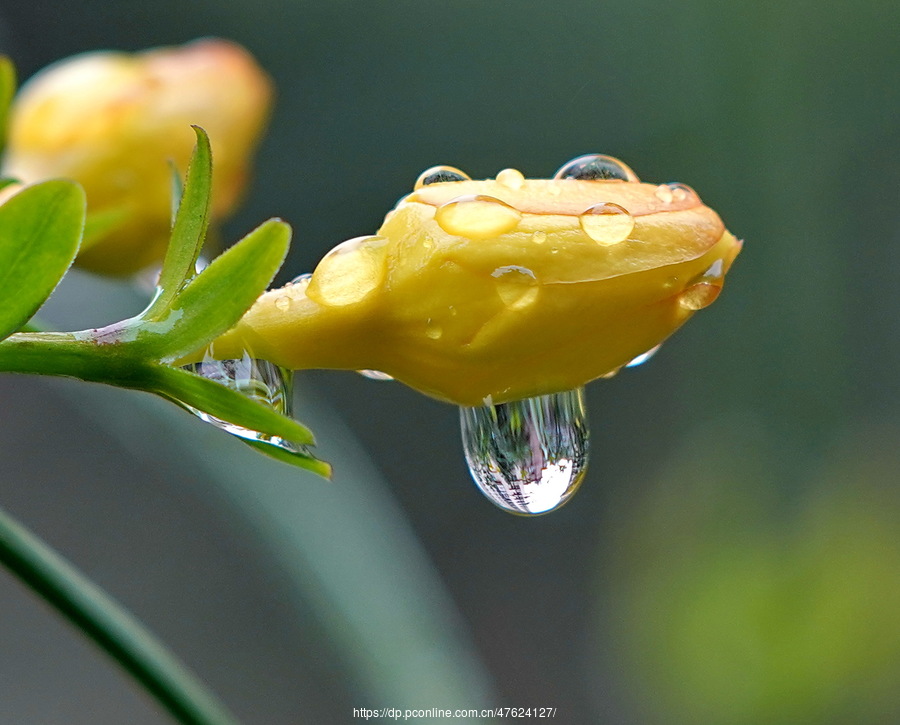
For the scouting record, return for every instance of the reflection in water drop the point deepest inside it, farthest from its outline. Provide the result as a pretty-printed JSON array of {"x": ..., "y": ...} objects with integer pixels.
[
  {"x": 607, "y": 223},
  {"x": 477, "y": 217},
  {"x": 699, "y": 295},
  {"x": 529, "y": 456},
  {"x": 259, "y": 380},
  {"x": 375, "y": 375},
  {"x": 596, "y": 167},
  {"x": 349, "y": 272},
  {"x": 440, "y": 175}
]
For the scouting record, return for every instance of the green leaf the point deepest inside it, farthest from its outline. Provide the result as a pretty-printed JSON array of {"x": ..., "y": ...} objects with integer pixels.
[
  {"x": 186, "y": 388},
  {"x": 7, "y": 181},
  {"x": 299, "y": 459},
  {"x": 217, "y": 298},
  {"x": 7, "y": 91},
  {"x": 40, "y": 231},
  {"x": 189, "y": 229}
]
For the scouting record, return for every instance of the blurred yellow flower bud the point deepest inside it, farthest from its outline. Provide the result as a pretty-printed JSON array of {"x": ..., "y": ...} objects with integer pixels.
[
  {"x": 505, "y": 289},
  {"x": 114, "y": 122}
]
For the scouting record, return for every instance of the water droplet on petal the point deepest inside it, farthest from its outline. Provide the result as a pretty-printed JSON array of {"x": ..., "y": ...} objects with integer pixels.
[
  {"x": 664, "y": 193},
  {"x": 259, "y": 380},
  {"x": 439, "y": 175},
  {"x": 682, "y": 192},
  {"x": 349, "y": 272},
  {"x": 433, "y": 330},
  {"x": 529, "y": 456},
  {"x": 699, "y": 295},
  {"x": 517, "y": 286},
  {"x": 607, "y": 223},
  {"x": 477, "y": 217},
  {"x": 302, "y": 278},
  {"x": 644, "y": 357},
  {"x": 283, "y": 303},
  {"x": 596, "y": 167},
  {"x": 375, "y": 375},
  {"x": 511, "y": 179},
  {"x": 539, "y": 237}
]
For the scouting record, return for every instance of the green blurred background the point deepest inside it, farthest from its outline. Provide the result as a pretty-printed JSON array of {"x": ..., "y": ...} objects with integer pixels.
[{"x": 734, "y": 554}]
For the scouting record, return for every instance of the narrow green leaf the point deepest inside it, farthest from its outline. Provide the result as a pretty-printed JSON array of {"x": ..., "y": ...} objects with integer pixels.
[
  {"x": 177, "y": 190},
  {"x": 7, "y": 91},
  {"x": 215, "y": 399},
  {"x": 189, "y": 228},
  {"x": 217, "y": 298},
  {"x": 298, "y": 459},
  {"x": 40, "y": 230}
]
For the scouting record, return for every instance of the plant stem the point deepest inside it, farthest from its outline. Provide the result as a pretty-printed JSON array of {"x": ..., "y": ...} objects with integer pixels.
[{"x": 109, "y": 625}]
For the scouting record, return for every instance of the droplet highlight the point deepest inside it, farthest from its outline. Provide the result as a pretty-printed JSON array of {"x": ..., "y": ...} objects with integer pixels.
[
  {"x": 517, "y": 286},
  {"x": 511, "y": 179},
  {"x": 477, "y": 217},
  {"x": 375, "y": 375},
  {"x": 607, "y": 223},
  {"x": 433, "y": 330},
  {"x": 440, "y": 175},
  {"x": 596, "y": 167},
  {"x": 529, "y": 456},
  {"x": 644, "y": 357},
  {"x": 283, "y": 303},
  {"x": 259, "y": 380}
]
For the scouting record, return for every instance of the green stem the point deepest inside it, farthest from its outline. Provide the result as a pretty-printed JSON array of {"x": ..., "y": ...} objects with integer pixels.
[{"x": 109, "y": 625}]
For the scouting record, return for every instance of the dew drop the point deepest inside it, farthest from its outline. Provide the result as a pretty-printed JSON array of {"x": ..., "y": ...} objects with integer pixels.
[
  {"x": 440, "y": 175},
  {"x": 517, "y": 286},
  {"x": 699, "y": 295},
  {"x": 529, "y": 456},
  {"x": 375, "y": 375},
  {"x": 644, "y": 357},
  {"x": 476, "y": 217},
  {"x": 259, "y": 380},
  {"x": 539, "y": 237},
  {"x": 433, "y": 330},
  {"x": 664, "y": 193},
  {"x": 596, "y": 167},
  {"x": 675, "y": 191},
  {"x": 283, "y": 303},
  {"x": 607, "y": 223},
  {"x": 349, "y": 272},
  {"x": 511, "y": 179}
]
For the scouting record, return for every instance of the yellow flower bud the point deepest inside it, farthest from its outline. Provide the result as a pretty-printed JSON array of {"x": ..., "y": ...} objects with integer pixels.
[
  {"x": 115, "y": 121},
  {"x": 501, "y": 289}
]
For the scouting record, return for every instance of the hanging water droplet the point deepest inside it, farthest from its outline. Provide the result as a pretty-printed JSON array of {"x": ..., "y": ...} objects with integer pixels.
[
  {"x": 643, "y": 357},
  {"x": 517, "y": 286},
  {"x": 375, "y": 375},
  {"x": 529, "y": 456},
  {"x": 596, "y": 167},
  {"x": 511, "y": 179},
  {"x": 439, "y": 175},
  {"x": 259, "y": 380},
  {"x": 477, "y": 217},
  {"x": 607, "y": 223}
]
